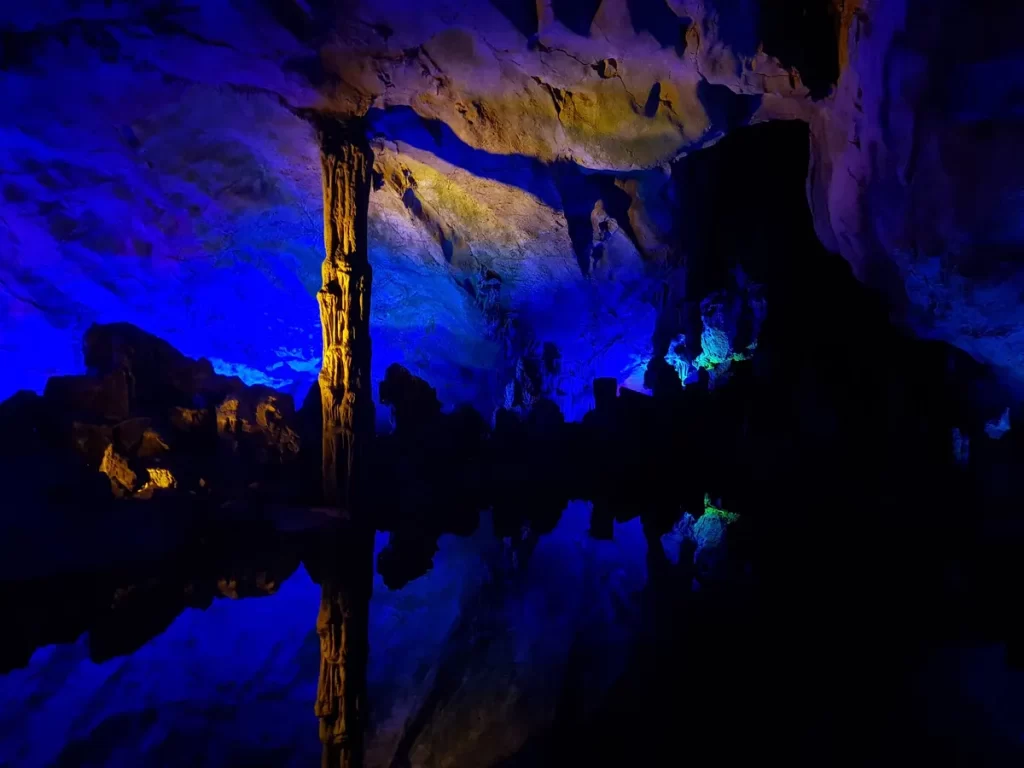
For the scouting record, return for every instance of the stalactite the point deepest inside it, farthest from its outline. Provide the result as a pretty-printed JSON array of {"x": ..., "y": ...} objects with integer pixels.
[{"x": 345, "y": 391}]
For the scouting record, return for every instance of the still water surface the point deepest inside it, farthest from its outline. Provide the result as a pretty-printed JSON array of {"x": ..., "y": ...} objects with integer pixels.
[{"x": 471, "y": 657}]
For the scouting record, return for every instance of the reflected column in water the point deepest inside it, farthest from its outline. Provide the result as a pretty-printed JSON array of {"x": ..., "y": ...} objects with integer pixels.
[{"x": 343, "y": 627}]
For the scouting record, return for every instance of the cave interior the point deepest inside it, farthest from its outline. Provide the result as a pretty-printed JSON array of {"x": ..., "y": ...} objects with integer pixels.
[{"x": 511, "y": 383}]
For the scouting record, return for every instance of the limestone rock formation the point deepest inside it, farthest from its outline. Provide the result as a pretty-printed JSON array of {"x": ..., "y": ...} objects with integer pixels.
[
  {"x": 714, "y": 556},
  {"x": 161, "y": 166},
  {"x": 153, "y": 421},
  {"x": 344, "y": 299},
  {"x": 731, "y": 322},
  {"x": 258, "y": 421},
  {"x": 486, "y": 118},
  {"x": 123, "y": 481}
]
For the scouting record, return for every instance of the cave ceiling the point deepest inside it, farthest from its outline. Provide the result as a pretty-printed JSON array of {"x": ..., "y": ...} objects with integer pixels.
[{"x": 157, "y": 165}]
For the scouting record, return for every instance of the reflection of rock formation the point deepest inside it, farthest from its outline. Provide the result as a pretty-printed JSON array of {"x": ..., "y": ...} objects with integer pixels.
[
  {"x": 122, "y": 607},
  {"x": 345, "y": 394}
]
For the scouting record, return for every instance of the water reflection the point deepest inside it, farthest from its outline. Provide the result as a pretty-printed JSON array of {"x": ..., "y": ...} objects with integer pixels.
[
  {"x": 556, "y": 649},
  {"x": 237, "y": 680},
  {"x": 343, "y": 563}
]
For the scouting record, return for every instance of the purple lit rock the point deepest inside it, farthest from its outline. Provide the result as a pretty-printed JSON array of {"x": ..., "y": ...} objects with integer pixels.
[{"x": 915, "y": 176}]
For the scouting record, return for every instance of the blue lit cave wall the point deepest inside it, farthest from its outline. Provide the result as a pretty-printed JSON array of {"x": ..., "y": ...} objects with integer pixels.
[
  {"x": 148, "y": 179},
  {"x": 170, "y": 190},
  {"x": 481, "y": 258},
  {"x": 154, "y": 168}
]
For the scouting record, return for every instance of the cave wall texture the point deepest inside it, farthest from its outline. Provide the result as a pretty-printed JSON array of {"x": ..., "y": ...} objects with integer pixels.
[{"x": 158, "y": 166}]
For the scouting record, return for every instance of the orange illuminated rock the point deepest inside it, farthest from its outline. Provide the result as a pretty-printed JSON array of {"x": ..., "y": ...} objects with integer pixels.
[
  {"x": 161, "y": 478},
  {"x": 259, "y": 420}
]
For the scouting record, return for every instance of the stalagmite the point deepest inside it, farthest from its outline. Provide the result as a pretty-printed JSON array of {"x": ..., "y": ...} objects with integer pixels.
[
  {"x": 348, "y": 423},
  {"x": 345, "y": 391}
]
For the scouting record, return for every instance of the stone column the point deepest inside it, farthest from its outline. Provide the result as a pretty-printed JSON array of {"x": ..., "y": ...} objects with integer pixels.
[
  {"x": 346, "y": 559},
  {"x": 345, "y": 392}
]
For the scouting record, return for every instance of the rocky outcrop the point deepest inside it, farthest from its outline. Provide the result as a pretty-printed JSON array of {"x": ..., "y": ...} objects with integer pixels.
[
  {"x": 731, "y": 322},
  {"x": 716, "y": 556},
  {"x": 154, "y": 423},
  {"x": 414, "y": 406},
  {"x": 615, "y": 86}
]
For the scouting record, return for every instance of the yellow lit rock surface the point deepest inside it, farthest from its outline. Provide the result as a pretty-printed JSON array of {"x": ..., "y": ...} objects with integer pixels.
[
  {"x": 228, "y": 419},
  {"x": 260, "y": 420},
  {"x": 161, "y": 478},
  {"x": 115, "y": 466}
]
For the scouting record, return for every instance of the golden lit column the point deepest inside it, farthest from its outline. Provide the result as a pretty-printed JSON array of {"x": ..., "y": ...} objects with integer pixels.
[
  {"x": 345, "y": 391},
  {"x": 346, "y": 161}
]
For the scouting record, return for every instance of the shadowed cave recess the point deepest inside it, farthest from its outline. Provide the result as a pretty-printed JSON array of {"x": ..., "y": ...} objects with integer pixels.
[{"x": 611, "y": 382}]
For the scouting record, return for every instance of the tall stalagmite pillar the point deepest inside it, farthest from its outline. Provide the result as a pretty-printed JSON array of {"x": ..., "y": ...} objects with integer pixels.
[
  {"x": 348, "y": 424},
  {"x": 345, "y": 392}
]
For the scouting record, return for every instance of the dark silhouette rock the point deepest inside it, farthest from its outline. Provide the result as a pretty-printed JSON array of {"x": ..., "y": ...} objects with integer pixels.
[{"x": 413, "y": 402}]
